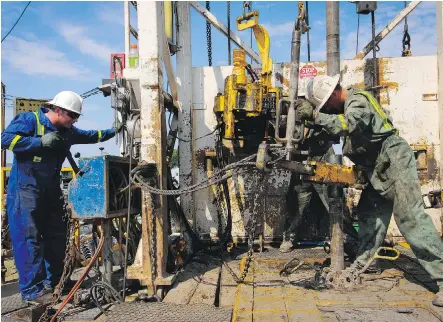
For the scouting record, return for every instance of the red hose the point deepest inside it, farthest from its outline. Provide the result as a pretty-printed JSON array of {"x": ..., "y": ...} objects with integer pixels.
[{"x": 82, "y": 277}]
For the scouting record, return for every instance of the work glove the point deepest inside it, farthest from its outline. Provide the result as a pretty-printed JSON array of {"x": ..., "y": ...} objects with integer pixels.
[
  {"x": 118, "y": 126},
  {"x": 53, "y": 140},
  {"x": 304, "y": 111}
]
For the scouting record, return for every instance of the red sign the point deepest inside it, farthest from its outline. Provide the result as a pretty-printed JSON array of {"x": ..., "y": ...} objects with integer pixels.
[{"x": 308, "y": 71}]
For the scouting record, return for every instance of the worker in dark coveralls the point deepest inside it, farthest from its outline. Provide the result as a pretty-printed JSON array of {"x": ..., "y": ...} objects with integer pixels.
[
  {"x": 40, "y": 142},
  {"x": 373, "y": 143}
]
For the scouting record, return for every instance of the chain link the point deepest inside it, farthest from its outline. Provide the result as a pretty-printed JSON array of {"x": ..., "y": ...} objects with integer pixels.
[
  {"x": 67, "y": 268},
  {"x": 208, "y": 36},
  {"x": 153, "y": 236}
]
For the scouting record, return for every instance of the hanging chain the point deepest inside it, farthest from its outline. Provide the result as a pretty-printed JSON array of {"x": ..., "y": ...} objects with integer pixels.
[
  {"x": 374, "y": 52},
  {"x": 406, "y": 41},
  {"x": 229, "y": 33},
  {"x": 67, "y": 268},
  {"x": 153, "y": 235},
  {"x": 308, "y": 39},
  {"x": 208, "y": 36},
  {"x": 252, "y": 224}
]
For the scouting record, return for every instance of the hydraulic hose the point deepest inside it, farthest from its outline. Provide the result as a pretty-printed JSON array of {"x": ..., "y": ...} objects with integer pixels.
[{"x": 82, "y": 277}]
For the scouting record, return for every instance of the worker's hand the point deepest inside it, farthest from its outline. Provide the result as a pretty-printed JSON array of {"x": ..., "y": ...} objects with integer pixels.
[
  {"x": 118, "y": 126},
  {"x": 304, "y": 111},
  {"x": 53, "y": 140}
]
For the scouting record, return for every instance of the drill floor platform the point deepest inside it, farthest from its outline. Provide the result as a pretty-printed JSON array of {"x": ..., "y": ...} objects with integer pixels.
[{"x": 206, "y": 291}]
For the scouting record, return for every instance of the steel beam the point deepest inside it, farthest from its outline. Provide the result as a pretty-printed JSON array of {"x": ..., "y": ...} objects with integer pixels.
[
  {"x": 221, "y": 27},
  {"x": 389, "y": 27},
  {"x": 185, "y": 127},
  {"x": 153, "y": 131}
]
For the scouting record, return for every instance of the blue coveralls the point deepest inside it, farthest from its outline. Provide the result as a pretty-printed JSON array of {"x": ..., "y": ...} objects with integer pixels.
[{"x": 35, "y": 201}]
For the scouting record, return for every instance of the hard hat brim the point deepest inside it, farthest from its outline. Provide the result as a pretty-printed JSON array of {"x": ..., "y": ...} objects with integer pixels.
[
  {"x": 51, "y": 102},
  {"x": 335, "y": 80}
]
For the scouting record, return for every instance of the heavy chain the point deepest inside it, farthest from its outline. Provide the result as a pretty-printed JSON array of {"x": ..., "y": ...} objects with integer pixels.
[
  {"x": 406, "y": 41},
  {"x": 67, "y": 268},
  {"x": 374, "y": 52},
  {"x": 153, "y": 239},
  {"x": 208, "y": 36},
  {"x": 252, "y": 223}
]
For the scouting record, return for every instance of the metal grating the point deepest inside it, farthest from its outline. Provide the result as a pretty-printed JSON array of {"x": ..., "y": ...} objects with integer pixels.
[
  {"x": 13, "y": 303},
  {"x": 166, "y": 312}
]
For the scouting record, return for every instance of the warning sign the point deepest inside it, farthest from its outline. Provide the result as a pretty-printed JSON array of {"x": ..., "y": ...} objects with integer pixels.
[{"x": 308, "y": 71}]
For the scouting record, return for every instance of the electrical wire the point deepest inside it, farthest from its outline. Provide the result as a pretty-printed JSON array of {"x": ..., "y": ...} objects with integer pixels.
[{"x": 16, "y": 21}]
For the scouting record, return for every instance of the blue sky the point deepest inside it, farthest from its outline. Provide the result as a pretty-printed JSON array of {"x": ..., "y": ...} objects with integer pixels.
[{"x": 67, "y": 45}]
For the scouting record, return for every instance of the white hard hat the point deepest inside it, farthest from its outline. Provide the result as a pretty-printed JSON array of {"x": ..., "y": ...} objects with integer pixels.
[
  {"x": 68, "y": 100},
  {"x": 320, "y": 88}
]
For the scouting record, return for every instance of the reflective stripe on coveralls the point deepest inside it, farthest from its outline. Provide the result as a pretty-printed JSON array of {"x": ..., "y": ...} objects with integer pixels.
[
  {"x": 386, "y": 122},
  {"x": 14, "y": 141}
]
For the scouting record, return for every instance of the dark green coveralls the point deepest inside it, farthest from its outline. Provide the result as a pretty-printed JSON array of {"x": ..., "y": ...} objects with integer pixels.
[
  {"x": 320, "y": 147},
  {"x": 373, "y": 143}
]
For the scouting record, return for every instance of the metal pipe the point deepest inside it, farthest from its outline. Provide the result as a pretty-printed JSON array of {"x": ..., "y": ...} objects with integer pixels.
[
  {"x": 293, "y": 89},
  {"x": 332, "y": 38},
  {"x": 307, "y": 22},
  {"x": 168, "y": 20},
  {"x": 107, "y": 250},
  {"x": 127, "y": 14},
  {"x": 335, "y": 194}
]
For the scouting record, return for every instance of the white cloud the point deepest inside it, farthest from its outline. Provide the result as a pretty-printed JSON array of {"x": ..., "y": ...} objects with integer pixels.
[
  {"x": 36, "y": 58},
  {"x": 111, "y": 15},
  {"x": 264, "y": 6},
  {"x": 282, "y": 29},
  {"x": 78, "y": 37},
  {"x": 422, "y": 30}
]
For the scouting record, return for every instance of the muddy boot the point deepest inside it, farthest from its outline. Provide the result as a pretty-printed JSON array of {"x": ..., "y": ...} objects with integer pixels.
[
  {"x": 44, "y": 299},
  {"x": 286, "y": 246},
  {"x": 438, "y": 301}
]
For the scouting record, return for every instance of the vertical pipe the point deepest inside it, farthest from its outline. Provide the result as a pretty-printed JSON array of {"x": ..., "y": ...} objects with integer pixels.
[
  {"x": 107, "y": 250},
  {"x": 439, "y": 24},
  {"x": 333, "y": 37},
  {"x": 185, "y": 122},
  {"x": 168, "y": 20},
  {"x": 293, "y": 89},
  {"x": 153, "y": 127},
  {"x": 127, "y": 31},
  {"x": 335, "y": 194}
]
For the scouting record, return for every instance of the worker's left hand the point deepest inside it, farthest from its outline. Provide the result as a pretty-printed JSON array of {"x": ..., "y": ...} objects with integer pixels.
[
  {"x": 304, "y": 111},
  {"x": 118, "y": 126}
]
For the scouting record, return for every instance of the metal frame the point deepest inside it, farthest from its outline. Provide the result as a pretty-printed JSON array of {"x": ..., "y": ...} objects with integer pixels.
[
  {"x": 221, "y": 27},
  {"x": 389, "y": 27}
]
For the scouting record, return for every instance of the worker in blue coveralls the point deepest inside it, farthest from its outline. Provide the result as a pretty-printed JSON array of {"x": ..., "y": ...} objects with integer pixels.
[
  {"x": 372, "y": 142},
  {"x": 40, "y": 142}
]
